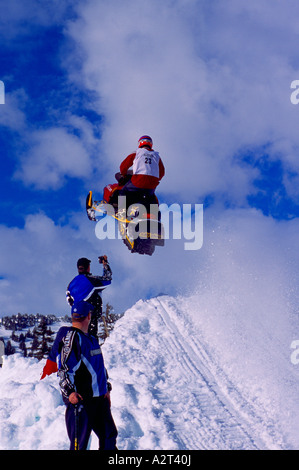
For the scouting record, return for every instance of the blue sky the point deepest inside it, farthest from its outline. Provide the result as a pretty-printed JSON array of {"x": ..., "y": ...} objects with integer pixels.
[
  {"x": 32, "y": 65},
  {"x": 210, "y": 81}
]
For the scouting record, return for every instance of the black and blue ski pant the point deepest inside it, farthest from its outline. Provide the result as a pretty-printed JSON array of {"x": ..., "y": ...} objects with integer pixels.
[
  {"x": 93, "y": 414},
  {"x": 134, "y": 195}
]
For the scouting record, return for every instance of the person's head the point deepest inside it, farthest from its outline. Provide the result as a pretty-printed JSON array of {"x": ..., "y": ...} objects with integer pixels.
[
  {"x": 81, "y": 314},
  {"x": 145, "y": 141},
  {"x": 83, "y": 265}
]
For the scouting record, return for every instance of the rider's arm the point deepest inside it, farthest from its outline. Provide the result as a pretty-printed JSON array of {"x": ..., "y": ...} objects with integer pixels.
[
  {"x": 127, "y": 163},
  {"x": 161, "y": 169}
]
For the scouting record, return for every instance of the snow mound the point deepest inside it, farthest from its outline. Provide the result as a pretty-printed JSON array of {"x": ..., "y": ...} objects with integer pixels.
[
  {"x": 31, "y": 410},
  {"x": 176, "y": 386},
  {"x": 172, "y": 390}
]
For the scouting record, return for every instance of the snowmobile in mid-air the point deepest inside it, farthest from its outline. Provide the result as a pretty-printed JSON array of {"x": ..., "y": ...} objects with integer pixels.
[{"x": 137, "y": 214}]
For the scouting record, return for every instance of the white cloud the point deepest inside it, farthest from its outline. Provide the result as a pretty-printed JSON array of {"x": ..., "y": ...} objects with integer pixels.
[
  {"x": 32, "y": 265},
  {"x": 19, "y": 17},
  {"x": 12, "y": 114},
  {"x": 54, "y": 154},
  {"x": 206, "y": 81},
  {"x": 45, "y": 157}
]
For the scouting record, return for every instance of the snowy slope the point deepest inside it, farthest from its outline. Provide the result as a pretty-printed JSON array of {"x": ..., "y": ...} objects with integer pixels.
[{"x": 172, "y": 389}]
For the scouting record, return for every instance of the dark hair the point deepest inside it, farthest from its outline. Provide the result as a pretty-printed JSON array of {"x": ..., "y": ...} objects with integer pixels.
[{"x": 83, "y": 264}]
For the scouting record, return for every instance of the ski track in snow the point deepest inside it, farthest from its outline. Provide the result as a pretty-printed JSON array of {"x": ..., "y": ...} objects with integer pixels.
[
  {"x": 169, "y": 378},
  {"x": 169, "y": 392}
]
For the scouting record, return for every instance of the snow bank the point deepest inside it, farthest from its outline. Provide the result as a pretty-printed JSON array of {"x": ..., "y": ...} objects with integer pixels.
[
  {"x": 31, "y": 411},
  {"x": 182, "y": 378}
]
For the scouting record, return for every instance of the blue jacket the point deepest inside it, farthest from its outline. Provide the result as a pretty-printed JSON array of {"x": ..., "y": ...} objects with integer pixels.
[
  {"x": 86, "y": 287},
  {"x": 56, "y": 347},
  {"x": 81, "y": 366}
]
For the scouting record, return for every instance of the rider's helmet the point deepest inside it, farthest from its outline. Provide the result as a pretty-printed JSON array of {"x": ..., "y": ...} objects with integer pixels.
[{"x": 145, "y": 141}]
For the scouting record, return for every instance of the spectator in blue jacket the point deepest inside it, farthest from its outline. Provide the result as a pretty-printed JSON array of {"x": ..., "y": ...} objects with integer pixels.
[
  {"x": 85, "y": 286},
  {"x": 84, "y": 386}
]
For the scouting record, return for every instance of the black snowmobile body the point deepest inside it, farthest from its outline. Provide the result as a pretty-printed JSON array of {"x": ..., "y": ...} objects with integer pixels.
[{"x": 138, "y": 216}]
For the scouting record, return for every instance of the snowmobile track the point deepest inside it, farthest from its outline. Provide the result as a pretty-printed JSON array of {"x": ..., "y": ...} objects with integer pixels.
[
  {"x": 171, "y": 390},
  {"x": 215, "y": 422}
]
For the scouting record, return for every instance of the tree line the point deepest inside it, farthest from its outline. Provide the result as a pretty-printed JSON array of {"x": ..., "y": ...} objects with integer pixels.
[{"x": 32, "y": 336}]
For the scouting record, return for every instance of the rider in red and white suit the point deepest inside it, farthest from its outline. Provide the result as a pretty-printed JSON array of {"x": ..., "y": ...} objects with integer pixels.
[{"x": 148, "y": 168}]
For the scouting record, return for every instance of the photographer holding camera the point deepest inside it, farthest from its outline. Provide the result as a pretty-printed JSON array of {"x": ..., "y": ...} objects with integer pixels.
[{"x": 85, "y": 286}]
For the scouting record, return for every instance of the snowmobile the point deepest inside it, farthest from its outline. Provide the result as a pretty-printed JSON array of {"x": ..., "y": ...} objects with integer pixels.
[{"x": 138, "y": 216}]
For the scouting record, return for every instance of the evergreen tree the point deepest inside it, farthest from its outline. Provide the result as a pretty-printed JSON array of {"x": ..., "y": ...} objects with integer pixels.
[
  {"x": 43, "y": 339},
  {"x": 34, "y": 345},
  {"x": 9, "y": 350},
  {"x": 22, "y": 346},
  {"x": 107, "y": 321}
]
